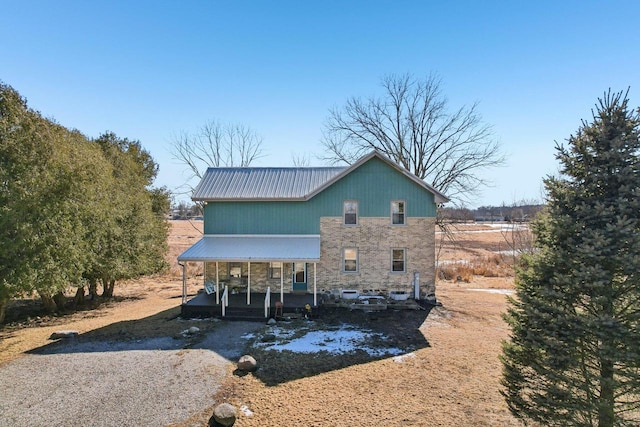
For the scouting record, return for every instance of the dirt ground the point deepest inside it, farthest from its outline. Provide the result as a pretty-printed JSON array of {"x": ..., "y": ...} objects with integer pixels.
[{"x": 449, "y": 378}]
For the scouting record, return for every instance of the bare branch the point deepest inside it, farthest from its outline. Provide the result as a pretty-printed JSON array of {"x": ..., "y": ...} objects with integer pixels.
[
  {"x": 216, "y": 145},
  {"x": 413, "y": 125}
]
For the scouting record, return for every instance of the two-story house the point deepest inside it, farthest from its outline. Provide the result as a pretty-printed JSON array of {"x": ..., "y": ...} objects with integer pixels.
[{"x": 366, "y": 227}]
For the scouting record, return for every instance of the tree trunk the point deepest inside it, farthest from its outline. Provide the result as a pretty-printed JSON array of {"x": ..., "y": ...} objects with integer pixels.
[
  {"x": 78, "y": 299},
  {"x": 3, "y": 309},
  {"x": 93, "y": 289},
  {"x": 108, "y": 286},
  {"x": 606, "y": 401},
  {"x": 61, "y": 301},
  {"x": 48, "y": 305}
]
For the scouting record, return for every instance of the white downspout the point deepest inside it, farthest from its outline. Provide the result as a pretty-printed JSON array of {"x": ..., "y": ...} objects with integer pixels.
[{"x": 315, "y": 297}]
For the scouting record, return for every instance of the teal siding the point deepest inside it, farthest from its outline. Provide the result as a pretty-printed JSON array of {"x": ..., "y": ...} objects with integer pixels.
[
  {"x": 260, "y": 218},
  {"x": 374, "y": 185}
]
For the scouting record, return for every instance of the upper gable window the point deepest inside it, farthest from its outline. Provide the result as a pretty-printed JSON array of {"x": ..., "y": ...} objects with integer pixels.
[
  {"x": 350, "y": 212},
  {"x": 398, "y": 212}
]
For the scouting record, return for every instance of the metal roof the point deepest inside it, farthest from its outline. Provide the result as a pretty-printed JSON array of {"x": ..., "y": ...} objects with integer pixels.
[
  {"x": 262, "y": 183},
  {"x": 230, "y": 184},
  {"x": 257, "y": 248}
]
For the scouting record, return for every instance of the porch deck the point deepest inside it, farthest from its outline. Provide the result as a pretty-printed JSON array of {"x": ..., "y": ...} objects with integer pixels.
[{"x": 204, "y": 305}]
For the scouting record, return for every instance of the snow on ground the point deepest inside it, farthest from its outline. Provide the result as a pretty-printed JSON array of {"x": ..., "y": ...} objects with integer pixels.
[
  {"x": 343, "y": 340},
  {"x": 404, "y": 357},
  {"x": 494, "y": 291}
]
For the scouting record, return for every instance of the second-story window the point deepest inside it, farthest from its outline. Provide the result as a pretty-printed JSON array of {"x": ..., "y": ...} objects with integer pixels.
[
  {"x": 398, "y": 212},
  {"x": 350, "y": 212}
]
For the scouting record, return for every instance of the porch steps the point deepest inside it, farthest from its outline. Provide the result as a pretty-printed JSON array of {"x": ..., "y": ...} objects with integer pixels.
[{"x": 250, "y": 314}]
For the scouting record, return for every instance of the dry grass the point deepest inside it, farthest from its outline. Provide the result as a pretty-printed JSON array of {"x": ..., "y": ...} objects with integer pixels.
[
  {"x": 488, "y": 266},
  {"x": 452, "y": 382}
]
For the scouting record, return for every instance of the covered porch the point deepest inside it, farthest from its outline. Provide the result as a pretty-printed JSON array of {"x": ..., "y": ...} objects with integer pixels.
[
  {"x": 204, "y": 305},
  {"x": 252, "y": 272}
]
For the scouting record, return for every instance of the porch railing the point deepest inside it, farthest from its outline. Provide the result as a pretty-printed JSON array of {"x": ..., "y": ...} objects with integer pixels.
[
  {"x": 225, "y": 300},
  {"x": 267, "y": 302}
]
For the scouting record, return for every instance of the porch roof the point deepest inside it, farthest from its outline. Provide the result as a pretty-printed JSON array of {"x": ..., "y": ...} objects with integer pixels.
[{"x": 255, "y": 248}]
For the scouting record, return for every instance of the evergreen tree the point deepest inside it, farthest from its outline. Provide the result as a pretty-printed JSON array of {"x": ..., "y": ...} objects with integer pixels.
[
  {"x": 133, "y": 240},
  {"x": 573, "y": 358},
  {"x": 46, "y": 202},
  {"x": 72, "y": 210}
]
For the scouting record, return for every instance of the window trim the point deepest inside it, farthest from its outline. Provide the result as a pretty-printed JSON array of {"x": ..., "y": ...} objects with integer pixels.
[
  {"x": 344, "y": 260},
  {"x": 404, "y": 213},
  {"x": 344, "y": 212},
  {"x": 404, "y": 260},
  {"x": 294, "y": 279},
  {"x": 234, "y": 265},
  {"x": 271, "y": 269}
]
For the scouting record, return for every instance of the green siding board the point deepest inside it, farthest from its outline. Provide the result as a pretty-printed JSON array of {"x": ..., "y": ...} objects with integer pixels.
[
  {"x": 374, "y": 185},
  {"x": 259, "y": 218}
]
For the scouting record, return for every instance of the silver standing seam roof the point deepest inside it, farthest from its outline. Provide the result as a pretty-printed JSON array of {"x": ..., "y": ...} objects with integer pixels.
[
  {"x": 262, "y": 183},
  {"x": 255, "y": 248},
  {"x": 249, "y": 183}
]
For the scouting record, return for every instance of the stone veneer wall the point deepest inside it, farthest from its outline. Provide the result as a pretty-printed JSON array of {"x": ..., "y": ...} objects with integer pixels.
[
  {"x": 259, "y": 278},
  {"x": 374, "y": 238}
]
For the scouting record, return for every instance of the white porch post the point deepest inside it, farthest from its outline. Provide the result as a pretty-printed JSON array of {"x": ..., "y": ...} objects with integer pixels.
[
  {"x": 249, "y": 283},
  {"x": 217, "y": 284},
  {"x": 184, "y": 282},
  {"x": 315, "y": 297},
  {"x": 282, "y": 282}
]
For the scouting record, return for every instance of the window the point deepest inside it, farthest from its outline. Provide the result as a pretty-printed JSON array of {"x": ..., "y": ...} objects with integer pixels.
[
  {"x": 350, "y": 212},
  {"x": 398, "y": 260},
  {"x": 397, "y": 212},
  {"x": 299, "y": 272},
  {"x": 350, "y": 260},
  {"x": 235, "y": 269},
  {"x": 275, "y": 270}
]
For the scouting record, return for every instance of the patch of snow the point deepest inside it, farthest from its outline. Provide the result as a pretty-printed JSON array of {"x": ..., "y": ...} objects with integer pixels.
[
  {"x": 495, "y": 291},
  {"x": 403, "y": 357},
  {"x": 346, "y": 339},
  {"x": 246, "y": 411}
]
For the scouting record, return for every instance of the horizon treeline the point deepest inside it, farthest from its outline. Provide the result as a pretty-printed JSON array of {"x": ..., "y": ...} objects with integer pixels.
[
  {"x": 518, "y": 212},
  {"x": 75, "y": 212}
]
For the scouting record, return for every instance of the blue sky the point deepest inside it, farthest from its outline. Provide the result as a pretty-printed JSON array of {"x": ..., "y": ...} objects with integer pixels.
[{"x": 148, "y": 70}]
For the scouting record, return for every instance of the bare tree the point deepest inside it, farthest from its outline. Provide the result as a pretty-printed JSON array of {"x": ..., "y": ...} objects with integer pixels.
[
  {"x": 300, "y": 160},
  {"x": 214, "y": 145},
  {"x": 413, "y": 125}
]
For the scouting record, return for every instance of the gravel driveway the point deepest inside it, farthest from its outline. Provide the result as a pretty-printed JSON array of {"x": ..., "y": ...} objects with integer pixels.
[{"x": 149, "y": 382}]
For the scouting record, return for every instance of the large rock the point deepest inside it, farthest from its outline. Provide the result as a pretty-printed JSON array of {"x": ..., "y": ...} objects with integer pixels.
[
  {"x": 224, "y": 415},
  {"x": 63, "y": 334},
  {"x": 247, "y": 363}
]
